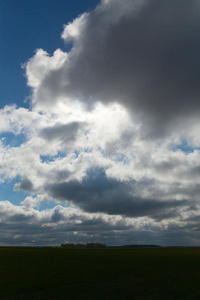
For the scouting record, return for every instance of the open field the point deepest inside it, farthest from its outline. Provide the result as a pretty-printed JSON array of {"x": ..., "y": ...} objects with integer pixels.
[{"x": 55, "y": 273}]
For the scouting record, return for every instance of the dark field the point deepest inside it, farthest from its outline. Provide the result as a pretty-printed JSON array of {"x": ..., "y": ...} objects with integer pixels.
[{"x": 55, "y": 273}]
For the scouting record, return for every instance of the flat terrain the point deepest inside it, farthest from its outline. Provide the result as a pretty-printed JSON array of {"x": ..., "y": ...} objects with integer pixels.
[{"x": 55, "y": 273}]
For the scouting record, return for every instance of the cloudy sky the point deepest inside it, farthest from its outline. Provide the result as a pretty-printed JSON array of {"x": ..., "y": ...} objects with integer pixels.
[{"x": 100, "y": 122}]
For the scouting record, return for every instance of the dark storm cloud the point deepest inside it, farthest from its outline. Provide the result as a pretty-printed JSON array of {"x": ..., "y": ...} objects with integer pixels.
[
  {"x": 147, "y": 59},
  {"x": 65, "y": 133},
  {"x": 97, "y": 193}
]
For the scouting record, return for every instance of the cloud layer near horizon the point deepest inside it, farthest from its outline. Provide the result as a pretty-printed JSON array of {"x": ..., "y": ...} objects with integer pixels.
[{"x": 112, "y": 132}]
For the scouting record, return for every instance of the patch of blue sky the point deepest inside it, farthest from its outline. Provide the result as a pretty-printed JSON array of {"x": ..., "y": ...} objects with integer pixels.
[
  {"x": 10, "y": 139},
  {"x": 47, "y": 158},
  {"x": 82, "y": 150},
  {"x": 50, "y": 205},
  {"x": 88, "y": 150},
  {"x": 120, "y": 157},
  {"x": 9, "y": 193},
  {"x": 77, "y": 153},
  {"x": 51, "y": 158},
  {"x": 184, "y": 146}
]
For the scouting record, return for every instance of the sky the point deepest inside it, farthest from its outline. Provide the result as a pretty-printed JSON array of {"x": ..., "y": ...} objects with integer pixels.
[{"x": 99, "y": 122}]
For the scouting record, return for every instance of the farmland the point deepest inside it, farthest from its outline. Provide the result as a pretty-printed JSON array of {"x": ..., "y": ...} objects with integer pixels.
[{"x": 57, "y": 273}]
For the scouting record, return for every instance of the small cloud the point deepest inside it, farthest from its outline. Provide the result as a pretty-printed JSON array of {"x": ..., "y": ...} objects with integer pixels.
[{"x": 25, "y": 185}]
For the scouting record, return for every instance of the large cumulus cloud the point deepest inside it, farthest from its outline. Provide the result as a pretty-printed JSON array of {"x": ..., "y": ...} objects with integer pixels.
[{"x": 142, "y": 54}]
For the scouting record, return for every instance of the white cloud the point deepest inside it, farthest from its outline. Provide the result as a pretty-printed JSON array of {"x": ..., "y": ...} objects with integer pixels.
[
  {"x": 38, "y": 67},
  {"x": 72, "y": 31}
]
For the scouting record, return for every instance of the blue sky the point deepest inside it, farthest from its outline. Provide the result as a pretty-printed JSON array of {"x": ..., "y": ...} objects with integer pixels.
[{"x": 99, "y": 130}]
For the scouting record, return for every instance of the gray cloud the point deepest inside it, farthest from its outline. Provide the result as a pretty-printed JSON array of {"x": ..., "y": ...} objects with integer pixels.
[
  {"x": 65, "y": 133},
  {"x": 25, "y": 185},
  {"x": 97, "y": 193},
  {"x": 20, "y": 226},
  {"x": 146, "y": 58}
]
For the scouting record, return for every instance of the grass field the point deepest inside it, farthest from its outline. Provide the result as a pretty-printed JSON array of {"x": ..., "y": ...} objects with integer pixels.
[{"x": 55, "y": 273}]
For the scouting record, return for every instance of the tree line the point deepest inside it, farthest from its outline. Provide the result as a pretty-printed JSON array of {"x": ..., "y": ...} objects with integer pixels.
[{"x": 88, "y": 245}]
